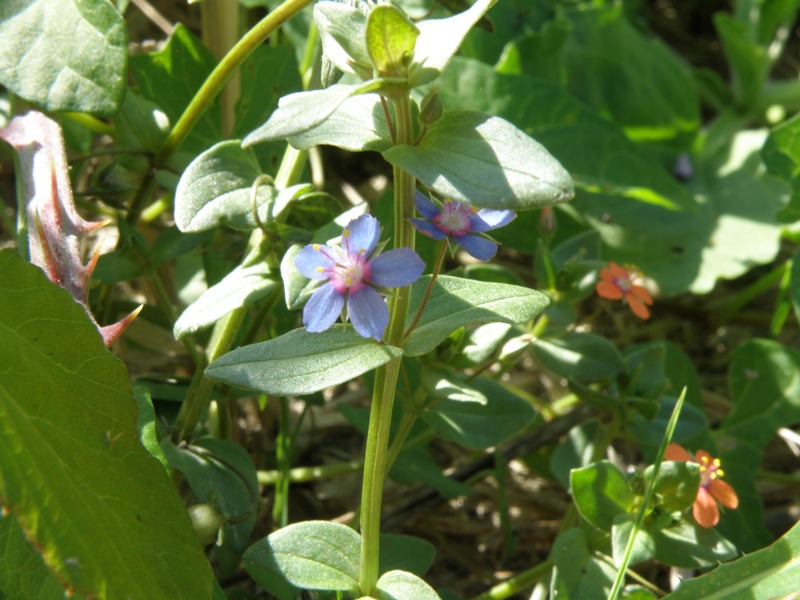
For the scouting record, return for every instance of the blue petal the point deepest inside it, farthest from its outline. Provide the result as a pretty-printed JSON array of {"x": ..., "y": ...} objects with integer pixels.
[
  {"x": 487, "y": 219},
  {"x": 428, "y": 229},
  {"x": 361, "y": 235},
  {"x": 368, "y": 313},
  {"x": 476, "y": 246},
  {"x": 396, "y": 268},
  {"x": 314, "y": 260},
  {"x": 425, "y": 205},
  {"x": 323, "y": 308}
]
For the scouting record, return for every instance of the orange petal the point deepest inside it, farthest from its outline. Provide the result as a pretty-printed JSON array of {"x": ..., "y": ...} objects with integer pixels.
[
  {"x": 724, "y": 493},
  {"x": 677, "y": 452},
  {"x": 704, "y": 457},
  {"x": 642, "y": 293},
  {"x": 705, "y": 509},
  {"x": 608, "y": 290},
  {"x": 639, "y": 309},
  {"x": 616, "y": 270}
]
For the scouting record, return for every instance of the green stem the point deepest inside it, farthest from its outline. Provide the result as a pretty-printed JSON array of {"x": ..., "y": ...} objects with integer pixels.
[
  {"x": 434, "y": 275},
  {"x": 517, "y": 583},
  {"x": 224, "y": 70},
  {"x": 304, "y": 474},
  {"x": 375, "y": 460}
]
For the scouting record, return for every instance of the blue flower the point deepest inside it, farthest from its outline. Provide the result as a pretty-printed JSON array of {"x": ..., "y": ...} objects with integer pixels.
[
  {"x": 460, "y": 222},
  {"x": 355, "y": 275}
]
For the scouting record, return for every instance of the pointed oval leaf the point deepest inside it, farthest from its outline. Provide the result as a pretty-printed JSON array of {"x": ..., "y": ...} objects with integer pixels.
[
  {"x": 580, "y": 356},
  {"x": 72, "y": 467},
  {"x": 456, "y": 302},
  {"x": 391, "y": 38},
  {"x": 601, "y": 492},
  {"x": 243, "y": 285},
  {"x": 402, "y": 585},
  {"x": 300, "y": 362},
  {"x": 316, "y": 555},
  {"x": 302, "y": 111},
  {"x": 64, "y": 55},
  {"x": 216, "y": 187},
  {"x": 486, "y": 161}
]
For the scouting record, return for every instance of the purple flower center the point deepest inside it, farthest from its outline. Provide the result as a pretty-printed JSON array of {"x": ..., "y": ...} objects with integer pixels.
[
  {"x": 454, "y": 218},
  {"x": 350, "y": 272}
]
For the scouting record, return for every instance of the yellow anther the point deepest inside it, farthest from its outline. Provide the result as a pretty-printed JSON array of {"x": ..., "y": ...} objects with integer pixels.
[{"x": 316, "y": 247}]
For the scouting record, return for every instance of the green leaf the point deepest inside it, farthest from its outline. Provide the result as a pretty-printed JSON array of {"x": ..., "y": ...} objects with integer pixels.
[
  {"x": 216, "y": 189},
  {"x": 220, "y": 473},
  {"x": 644, "y": 548},
  {"x": 141, "y": 125},
  {"x": 72, "y": 467},
  {"x": 148, "y": 431},
  {"x": 689, "y": 546},
  {"x": 580, "y": 356},
  {"x": 391, "y": 38},
  {"x": 601, "y": 492},
  {"x": 439, "y": 40},
  {"x": 24, "y": 575},
  {"x": 749, "y": 61},
  {"x": 170, "y": 77},
  {"x": 486, "y": 161},
  {"x": 358, "y": 124},
  {"x": 477, "y": 415},
  {"x": 402, "y": 585},
  {"x": 299, "y": 112},
  {"x": 773, "y": 572},
  {"x": 300, "y": 362},
  {"x": 343, "y": 32},
  {"x": 651, "y": 93},
  {"x": 676, "y": 485},
  {"x": 456, "y": 302},
  {"x": 781, "y": 155},
  {"x": 569, "y": 129},
  {"x": 405, "y": 553},
  {"x": 242, "y": 286},
  {"x": 316, "y": 555},
  {"x": 64, "y": 55},
  {"x": 578, "y": 574},
  {"x": 765, "y": 391}
]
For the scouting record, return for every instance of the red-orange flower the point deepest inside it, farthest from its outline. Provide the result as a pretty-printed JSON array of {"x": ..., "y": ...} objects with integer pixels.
[
  {"x": 712, "y": 488},
  {"x": 617, "y": 283}
]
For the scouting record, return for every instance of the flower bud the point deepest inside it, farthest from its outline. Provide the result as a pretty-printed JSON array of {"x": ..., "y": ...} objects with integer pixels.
[
  {"x": 431, "y": 108},
  {"x": 206, "y": 522}
]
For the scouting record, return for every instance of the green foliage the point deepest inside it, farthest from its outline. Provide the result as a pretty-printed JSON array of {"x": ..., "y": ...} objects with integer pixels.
[
  {"x": 72, "y": 469},
  {"x": 49, "y": 69}
]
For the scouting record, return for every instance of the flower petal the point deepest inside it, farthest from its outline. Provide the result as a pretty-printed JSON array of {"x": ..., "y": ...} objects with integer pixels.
[
  {"x": 361, "y": 235},
  {"x": 323, "y": 308},
  {"x": 637, "y": 306},
  {"x": 314, "y": 261},
  {"x": 429, "y": 229},
  {"x": 705, "y": 509},
  {"x": 608, "y": 290},
  {"x": 477, "y": 246},
  {"x": 723, "y": 493},
  {"x": 487, "y": 219},
  {"x": 396, "y": 268},
  {"x": 642, "y": 293},
  {"x": 677, "y": 452},
  {"x": 368, "y": 313},
  {"x": 425, "y": 206}
]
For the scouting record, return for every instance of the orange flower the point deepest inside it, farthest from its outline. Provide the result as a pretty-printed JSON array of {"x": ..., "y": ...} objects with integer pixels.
[
  {"x": 616, "y": 283},
  {"x": 712, "y": 488}
]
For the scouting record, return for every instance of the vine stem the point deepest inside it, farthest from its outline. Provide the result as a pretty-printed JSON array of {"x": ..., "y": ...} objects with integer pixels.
[
  {"x": 375, "y": 459},
  {"x": 223, "y": 72}
]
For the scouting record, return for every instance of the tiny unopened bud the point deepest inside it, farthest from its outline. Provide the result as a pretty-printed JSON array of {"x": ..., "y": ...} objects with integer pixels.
[
  {"x": 431, "y": 109},
  {"x": 206, "y": 522},
  {"x": 547, "y": 222}
]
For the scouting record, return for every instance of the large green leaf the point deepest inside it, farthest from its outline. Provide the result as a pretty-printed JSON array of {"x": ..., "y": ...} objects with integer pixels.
[
  {"x": 24, "y": 575},
  {"x": 601, "y": 493},
  {"x": 579, "y": 574},
  {"x": 317, "y": 555},
  {"x": 402, "y": 585},
  {"x": 773, "y": 572},
  {"x": 64, "y": 55},
  {"x": 486, "y": 161},
  {"x": 300, "y": 362},
  {"x": 72, "y": 469},
  {"x": 170, "y": 77},
  {"x": 581, "y": 356},
  {"x": 456, "y": 302}
]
